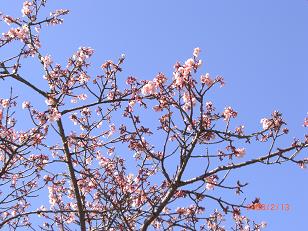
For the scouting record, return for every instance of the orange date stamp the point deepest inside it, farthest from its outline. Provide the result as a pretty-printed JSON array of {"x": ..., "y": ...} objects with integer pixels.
[{"x": 269, "y": 207}]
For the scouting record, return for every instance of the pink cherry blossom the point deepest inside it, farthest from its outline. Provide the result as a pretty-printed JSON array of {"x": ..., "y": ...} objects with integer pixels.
[
  {"x": 26, "y": 104},
  {"x": 82, "y": 96},
  {"x": 240, "y": 152},
  {"x": 21, "y": 33},
  {"x": 26, "y": 9},
  {"x": 266, "y": 123},
  {"x": 14, "y": 213},
  {"x": 82, "y": 54},
  {"x": 179, "y": 80},
  {"x": 46, "y": 60},
  {"x": 130, "y": 80},
  {"x": 149, "y": 88},
  {"x": 53, "y": 115},
  {"x": 8, "y": 19},
  {"x": 14, "y": 180},
  {"x": 189, "y": 101},
  {"x": 228, "y": 113},
  {"x": 211, "y": 182},
  {"x": 306, "y": 122},
  {"x": 74, "y": 99},
  {"x": 197, "y": 51},
  {"x": 83, "y": 78},
  {"x": 55, "y": 20},
  {"x": 5, "y": 103},
  {"x": 206, "y": 79},
  {"x": 240, "y": 130},
  {"x": 160, "y": 79},
  {"x": 50, "y": 101},
  {"x": 189, "y": 62}
]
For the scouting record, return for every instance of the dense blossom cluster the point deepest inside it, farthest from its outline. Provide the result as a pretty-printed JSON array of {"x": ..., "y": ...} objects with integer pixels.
[
  {"x": 92, "y": 157},
  {"x": 27, "y": 8},
  {"x": 149, "y": 88}
]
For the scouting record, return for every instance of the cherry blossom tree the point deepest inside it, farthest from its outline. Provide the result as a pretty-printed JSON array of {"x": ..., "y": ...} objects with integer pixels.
[{"x": 89, "y": 157}]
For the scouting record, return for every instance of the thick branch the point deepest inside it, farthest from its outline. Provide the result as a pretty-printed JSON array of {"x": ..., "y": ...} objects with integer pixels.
[{"x": 73, "y": 176}]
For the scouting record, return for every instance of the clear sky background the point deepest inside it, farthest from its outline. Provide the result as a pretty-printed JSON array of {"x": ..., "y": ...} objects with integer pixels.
[{"x": 259, "y": 46}]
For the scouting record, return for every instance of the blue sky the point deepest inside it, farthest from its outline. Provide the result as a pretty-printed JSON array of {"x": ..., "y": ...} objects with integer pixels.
[{"x": 259, "y": 46}]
